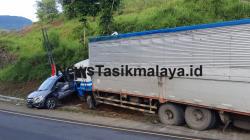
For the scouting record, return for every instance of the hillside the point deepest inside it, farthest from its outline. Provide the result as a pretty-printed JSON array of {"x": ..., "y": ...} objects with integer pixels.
[
  {"x": 13, "y": 22},
  {"x": 135, "y": 15}
]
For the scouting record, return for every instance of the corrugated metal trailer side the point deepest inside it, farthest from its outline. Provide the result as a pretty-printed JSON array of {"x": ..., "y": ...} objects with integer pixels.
[
  {"x": 223, "y": 51},
  {"x": 221, "y": 48}
]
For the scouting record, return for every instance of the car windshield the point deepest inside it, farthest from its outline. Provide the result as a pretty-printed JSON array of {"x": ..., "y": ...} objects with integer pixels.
[{"x": 46, "y": 84}]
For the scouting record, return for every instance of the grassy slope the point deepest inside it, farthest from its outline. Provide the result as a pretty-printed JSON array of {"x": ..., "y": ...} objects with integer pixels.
[
  {"x": 32, "y": 61},
  {"x": 136, "y": 15},
  {"x": 142, "y": 15}
]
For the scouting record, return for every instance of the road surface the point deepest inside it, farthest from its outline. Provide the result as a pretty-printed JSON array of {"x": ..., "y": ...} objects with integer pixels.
[{"x": 17, "y": 126}]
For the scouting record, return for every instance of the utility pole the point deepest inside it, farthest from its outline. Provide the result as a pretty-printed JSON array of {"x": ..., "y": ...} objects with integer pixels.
[{"x": 48, "y": 48}]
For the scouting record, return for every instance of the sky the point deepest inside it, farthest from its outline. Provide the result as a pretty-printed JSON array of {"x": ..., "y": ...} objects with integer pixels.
[{"x": 24, "y": 8}]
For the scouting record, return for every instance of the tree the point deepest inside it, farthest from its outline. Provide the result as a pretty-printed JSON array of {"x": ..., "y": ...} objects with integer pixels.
[
  {"x": 69, "y": 9},
  {"x": 46, "y": 10},
  {"x": 92, "y": 8},
  {"x": 80, "y": 8},
  {"x": 106, "y": 19}
]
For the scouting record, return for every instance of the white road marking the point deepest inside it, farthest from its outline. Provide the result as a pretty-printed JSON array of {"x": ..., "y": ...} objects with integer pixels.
[{"x": 96, "y": 125}]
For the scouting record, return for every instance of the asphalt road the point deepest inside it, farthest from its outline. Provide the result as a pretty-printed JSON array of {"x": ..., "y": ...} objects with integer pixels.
[{"x": 16, "y": 127}]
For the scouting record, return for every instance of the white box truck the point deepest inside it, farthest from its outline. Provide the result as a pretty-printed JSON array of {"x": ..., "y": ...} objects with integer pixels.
[{"x": 221, "y": 51}]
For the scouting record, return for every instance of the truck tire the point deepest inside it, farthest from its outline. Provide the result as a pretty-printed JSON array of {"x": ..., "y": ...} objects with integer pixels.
[
  {"x": 214, "y": 122},
  {"x": 90, "y": 102},
  {"x": 241, "y": 124},
  {"x": 199, "y": 118},
  {"x": 51, "y": 103},
  {"x": 171, "y": 114}
]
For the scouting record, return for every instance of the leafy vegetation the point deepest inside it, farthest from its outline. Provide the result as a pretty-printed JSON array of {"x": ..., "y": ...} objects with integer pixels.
[
  {"x": 32, "y": 62},
  {"x": 132, "y": 15},
  {"x": 92, "y": 8},
  {"x": 46, "y": 10}
]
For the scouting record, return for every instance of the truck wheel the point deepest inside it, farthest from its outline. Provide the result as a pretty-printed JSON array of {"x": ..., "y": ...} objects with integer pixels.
[
  {"x": 171, "y": 114},
  {"x": 51, "y": 103},
  {"x": 214, "y": 122},
  {"x": 199, "y": 118},
  {"x": 90, "y": 102},
  {"x": 241, "y": 124}
]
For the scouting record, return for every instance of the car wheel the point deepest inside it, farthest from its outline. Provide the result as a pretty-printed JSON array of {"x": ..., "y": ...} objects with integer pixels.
[
  {"x": 51, "y": 103},
  {"x": 29, "y": 105}
]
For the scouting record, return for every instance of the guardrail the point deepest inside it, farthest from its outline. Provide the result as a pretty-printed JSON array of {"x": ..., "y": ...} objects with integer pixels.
[{"x": 11, "y": 99}]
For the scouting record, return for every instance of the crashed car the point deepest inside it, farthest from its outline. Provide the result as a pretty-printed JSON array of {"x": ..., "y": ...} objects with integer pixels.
[{"x": 50, "y": 92}]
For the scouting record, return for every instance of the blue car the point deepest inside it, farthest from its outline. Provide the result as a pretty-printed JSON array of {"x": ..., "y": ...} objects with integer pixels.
[{"x": 50, "y": 92}]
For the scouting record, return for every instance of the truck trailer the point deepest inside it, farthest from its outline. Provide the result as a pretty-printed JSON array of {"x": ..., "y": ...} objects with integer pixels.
[{"x": 220, "y": 51}]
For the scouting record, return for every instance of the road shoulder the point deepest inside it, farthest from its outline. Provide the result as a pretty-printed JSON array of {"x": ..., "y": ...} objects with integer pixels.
[{"x": 123, "y": 123}]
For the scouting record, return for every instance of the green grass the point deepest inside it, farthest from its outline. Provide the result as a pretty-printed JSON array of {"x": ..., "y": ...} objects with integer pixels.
[
  {"x": 32, "y": 63},
  {"x": 135, "y": 15},
  {"x": 147, "y": 15}
]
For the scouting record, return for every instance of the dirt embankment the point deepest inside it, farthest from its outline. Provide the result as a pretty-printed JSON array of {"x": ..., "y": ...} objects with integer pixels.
[{"x": 6, "y": 88}]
